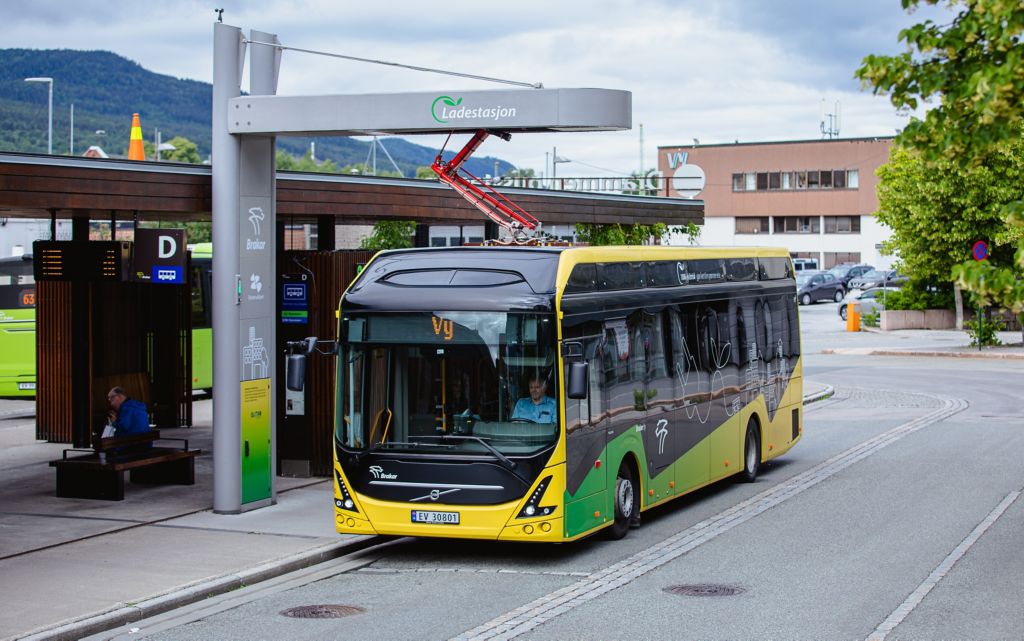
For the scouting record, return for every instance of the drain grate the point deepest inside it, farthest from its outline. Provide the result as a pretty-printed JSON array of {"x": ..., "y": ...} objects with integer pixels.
[
  {"x": 322, "y": 611},
  {"x": 705, "y": 589}
]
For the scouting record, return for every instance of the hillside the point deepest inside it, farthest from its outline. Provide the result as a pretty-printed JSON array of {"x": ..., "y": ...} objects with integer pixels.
[{"x": 107, "y": 89}]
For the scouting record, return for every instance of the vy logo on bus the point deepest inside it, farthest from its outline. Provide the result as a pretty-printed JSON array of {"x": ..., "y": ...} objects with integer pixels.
[
  {"x": 379, "y": 473},
  {"x": 443, "y": 325}
]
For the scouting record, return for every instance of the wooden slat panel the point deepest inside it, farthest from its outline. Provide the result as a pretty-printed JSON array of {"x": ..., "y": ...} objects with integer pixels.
[{"x": 53, "y": 361}]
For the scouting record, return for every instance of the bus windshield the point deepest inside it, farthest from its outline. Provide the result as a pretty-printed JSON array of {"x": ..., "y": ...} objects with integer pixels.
[{"x": 447, "y": 382}]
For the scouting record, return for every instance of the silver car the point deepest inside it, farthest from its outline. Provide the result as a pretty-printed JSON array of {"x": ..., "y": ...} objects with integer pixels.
[{"x": 871, "y": 300}]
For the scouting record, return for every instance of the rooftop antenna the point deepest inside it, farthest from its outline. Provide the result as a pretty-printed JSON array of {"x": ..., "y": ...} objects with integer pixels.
[
  {"x": 220, "y": 14},
  {"x": 832, "y": 129}
]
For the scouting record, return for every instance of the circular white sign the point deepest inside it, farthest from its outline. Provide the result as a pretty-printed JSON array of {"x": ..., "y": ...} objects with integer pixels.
[{"x": 688, "y": 180}]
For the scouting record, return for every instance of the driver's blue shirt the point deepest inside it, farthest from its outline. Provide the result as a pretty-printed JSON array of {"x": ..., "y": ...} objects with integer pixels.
[{"x": 543, "y": 412}]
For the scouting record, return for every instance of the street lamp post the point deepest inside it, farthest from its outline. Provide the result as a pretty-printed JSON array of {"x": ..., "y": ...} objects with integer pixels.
[{"x": 49, "y": 137}]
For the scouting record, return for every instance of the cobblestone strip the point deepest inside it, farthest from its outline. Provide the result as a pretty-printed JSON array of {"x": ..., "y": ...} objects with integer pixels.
[
  {"x": 940, "y": 571},
  {"x": 529, "y": 616},
  {"x": 470, "y": 571}
]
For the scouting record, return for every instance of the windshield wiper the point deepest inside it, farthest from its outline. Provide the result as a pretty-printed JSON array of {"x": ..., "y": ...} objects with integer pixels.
[{"x": 508, "y": 463}]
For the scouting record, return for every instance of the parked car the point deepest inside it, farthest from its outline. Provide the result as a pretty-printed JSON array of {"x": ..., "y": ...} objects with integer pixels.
[
  {"x": 870, "y": 300},
  {"x": 877, "y": 277},
  {"x": 845, "y": 272},
  {"x": 805, "y": 264},
  {"x": 812, "y": 286}
]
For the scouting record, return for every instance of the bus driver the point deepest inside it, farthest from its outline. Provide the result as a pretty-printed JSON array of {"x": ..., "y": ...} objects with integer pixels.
[{"x": 538, "y": 407}]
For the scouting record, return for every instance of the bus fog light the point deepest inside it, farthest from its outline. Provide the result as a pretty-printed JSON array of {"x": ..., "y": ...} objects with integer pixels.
[
  {"x": 545, "y": 527},
  {"x": 349, "y": 504},
  {"x": 350, "y": 522},
  {"x": 528, "y": 529}
]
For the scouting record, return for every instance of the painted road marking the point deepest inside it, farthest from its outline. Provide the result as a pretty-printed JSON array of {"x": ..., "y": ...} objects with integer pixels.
[
  {"x": 531, "y": 615},
  {"x": 940, "y": 571}
]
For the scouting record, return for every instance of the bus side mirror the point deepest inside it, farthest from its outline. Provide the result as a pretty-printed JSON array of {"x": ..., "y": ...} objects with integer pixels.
[
  {"x": 579, "y": 373},
  {"x": 295, "y": 377}
]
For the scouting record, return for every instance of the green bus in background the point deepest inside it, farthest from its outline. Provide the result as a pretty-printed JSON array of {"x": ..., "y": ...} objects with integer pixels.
[
  {"x": 17, "y": 327},
  {"x": 18, "y": 324}
]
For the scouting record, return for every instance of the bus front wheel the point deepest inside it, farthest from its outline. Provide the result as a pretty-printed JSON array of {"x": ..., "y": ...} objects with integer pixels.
[
  {"x": 751, "y": 453},
  {"x": 627, "y": 501}
]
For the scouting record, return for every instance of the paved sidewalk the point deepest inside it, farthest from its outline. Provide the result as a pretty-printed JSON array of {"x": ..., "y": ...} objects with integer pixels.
[
  {"x": 928, "y": 342},
  {"x": 74, "y": 567}
]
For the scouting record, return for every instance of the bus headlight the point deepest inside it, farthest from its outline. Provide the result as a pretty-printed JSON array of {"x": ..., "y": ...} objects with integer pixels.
[
  {"x": 533, "y": 507},
  {"x": 345, "y": 502}
]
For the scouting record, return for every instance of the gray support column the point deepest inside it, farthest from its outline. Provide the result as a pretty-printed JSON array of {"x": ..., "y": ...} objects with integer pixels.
[{"x": 228, "y": 52}]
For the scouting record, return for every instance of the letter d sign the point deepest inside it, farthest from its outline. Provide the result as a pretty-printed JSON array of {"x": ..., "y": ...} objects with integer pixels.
[{"x": 168, "y": 247}]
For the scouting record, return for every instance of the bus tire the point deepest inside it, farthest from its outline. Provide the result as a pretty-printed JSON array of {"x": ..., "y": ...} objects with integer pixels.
[
  {"x": 751, "y": 453},
  {"x": 627, "y": 501}
]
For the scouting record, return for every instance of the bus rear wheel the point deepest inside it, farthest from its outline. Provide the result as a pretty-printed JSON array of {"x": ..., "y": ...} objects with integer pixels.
[
  {"x": 627, "y": 502},
  {"x": 751, "y": 453}
]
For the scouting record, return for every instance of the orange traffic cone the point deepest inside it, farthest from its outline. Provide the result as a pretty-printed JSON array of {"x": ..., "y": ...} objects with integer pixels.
[{"x": 135, "y": 151}]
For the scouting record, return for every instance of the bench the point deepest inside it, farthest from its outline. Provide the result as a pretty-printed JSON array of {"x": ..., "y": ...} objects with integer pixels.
[{"x": 98, "y": 473}]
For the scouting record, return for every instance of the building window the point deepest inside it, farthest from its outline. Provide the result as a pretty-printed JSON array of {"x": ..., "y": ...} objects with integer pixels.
[
  {"x": 737, "y": 182},
  {"x": 801, "y": 180},
  {"x": 839, "y": 179},
  {"x": 813, "y": 179},
  {"x": 774, "y": 180},
  {"x": 826, "y": 179},
  {"x": 853, "y": 179},
  {"x": 787, "y": 180},
  {"x": 838, "y": 258},
  {"x": 755, "y": 225},
  {"x": 797, "y": 224},
  {"x": 749, "y": 182},
  {"x": 762, "y": 181},
  {"x": 842, "y": 224}
]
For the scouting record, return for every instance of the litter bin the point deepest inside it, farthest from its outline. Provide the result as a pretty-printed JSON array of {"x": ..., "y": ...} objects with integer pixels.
[{"x": 853, "y": 317}]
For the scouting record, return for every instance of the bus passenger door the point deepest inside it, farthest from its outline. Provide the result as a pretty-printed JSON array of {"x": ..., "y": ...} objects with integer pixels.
[
  {"x": 586, "y": 426},
  {"x": 660, "y": 420},
  {"x": 690, "y": 385}
]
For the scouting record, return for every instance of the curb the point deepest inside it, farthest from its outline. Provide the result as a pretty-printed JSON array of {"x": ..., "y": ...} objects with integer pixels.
[
  {"x": 828, "y": 392},
  {"x": 894, "y": 352},
  {"x": 179, "y": 597}
]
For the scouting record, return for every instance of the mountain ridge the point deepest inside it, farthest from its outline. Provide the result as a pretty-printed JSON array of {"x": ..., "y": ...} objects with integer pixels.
[{"x": 106, "y": 89}]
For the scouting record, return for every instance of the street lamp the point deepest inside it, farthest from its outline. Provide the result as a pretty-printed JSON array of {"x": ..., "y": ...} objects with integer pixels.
[
  {"x": 49, "y": 137},
  {"x": 555, "y": 159}
]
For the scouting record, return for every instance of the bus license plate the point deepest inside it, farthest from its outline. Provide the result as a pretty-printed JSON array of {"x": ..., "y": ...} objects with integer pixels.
[
  {"x": 435, "y": 518},
  {"x": 26, "y": 386}
]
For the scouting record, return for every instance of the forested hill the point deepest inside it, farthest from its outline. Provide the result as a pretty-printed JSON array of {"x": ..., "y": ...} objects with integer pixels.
[{"x": 107, "y": 89}]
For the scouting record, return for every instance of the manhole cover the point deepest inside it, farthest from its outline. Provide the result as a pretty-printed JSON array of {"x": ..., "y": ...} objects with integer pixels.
[
  {"x": 705, "y": 589},
  {"x": 322, "y": 611}
]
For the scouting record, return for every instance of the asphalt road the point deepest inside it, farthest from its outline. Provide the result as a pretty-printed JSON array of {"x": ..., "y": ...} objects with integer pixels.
[{"x": 896, "y": 517}]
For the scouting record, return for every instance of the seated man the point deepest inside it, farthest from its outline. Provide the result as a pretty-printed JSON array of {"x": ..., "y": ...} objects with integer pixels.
[
  {"x": 538, "y": 407},
  {"x": 128, "y": 415}
]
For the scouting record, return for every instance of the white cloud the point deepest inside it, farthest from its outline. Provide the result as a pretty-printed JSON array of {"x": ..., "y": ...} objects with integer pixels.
[{"x": 736, "y": 69}]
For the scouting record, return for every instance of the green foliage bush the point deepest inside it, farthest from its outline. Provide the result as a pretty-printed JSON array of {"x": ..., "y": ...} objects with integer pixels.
[
  {"x": 917, "y": 297},
  {"x": 984, "y": 331}
]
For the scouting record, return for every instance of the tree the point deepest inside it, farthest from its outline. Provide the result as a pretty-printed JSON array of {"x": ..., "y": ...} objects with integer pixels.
[
  {"x": 184, "y": 151},
  {"x": 616, "y": 234},
  {"x": 425, "y": 173},
  {"x": 937, "y": 210},
  {"x": 390, "y": 234},
  {"x": 974, "y": 68}
]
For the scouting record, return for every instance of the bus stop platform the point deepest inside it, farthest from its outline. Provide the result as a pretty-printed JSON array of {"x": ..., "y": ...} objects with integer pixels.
[{"x": 70, "y": 568}]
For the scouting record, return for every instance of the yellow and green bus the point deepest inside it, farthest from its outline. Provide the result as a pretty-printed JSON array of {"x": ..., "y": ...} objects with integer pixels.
[
  {"x": 17, "y": 327},
  {"x": 545, "y": 394}
]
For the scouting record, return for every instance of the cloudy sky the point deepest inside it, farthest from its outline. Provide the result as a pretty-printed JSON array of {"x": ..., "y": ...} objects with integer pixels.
[{"x": 747, "y": 70}]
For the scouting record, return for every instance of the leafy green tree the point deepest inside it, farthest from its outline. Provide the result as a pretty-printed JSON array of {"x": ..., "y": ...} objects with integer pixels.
[
  {"x": 425, "y": 173},
  {"x": 390, "y": 234},
  {"x": 616, "y": 234},
  {"x": 288, "y": 162},
  {"x": 184, "y": 151},
  {"x": 973, "y": 68},
  {"x": 937, "y": 210}
]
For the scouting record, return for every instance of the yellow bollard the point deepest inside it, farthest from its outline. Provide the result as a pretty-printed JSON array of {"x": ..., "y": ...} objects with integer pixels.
[{"x": 853, "y": 316}]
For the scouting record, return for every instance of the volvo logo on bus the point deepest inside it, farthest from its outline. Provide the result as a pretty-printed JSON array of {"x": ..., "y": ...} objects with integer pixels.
[{"x": 379, "y": 473}]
